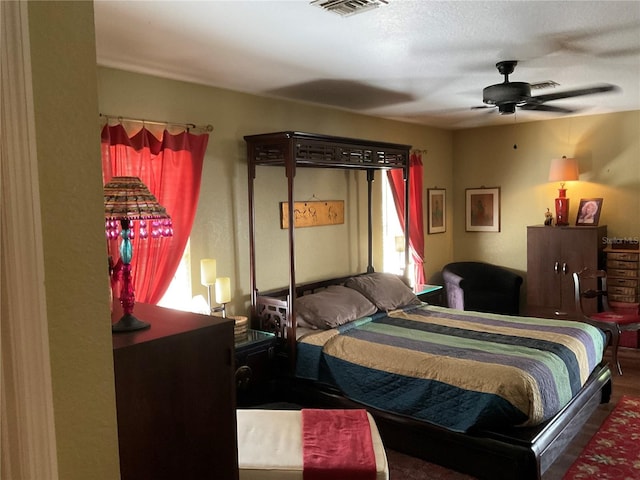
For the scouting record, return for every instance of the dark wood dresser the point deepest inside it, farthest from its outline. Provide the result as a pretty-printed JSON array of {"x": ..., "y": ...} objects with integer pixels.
[
  {"x": 175, "y": 397},
  {"x": 553, "y": 254}
]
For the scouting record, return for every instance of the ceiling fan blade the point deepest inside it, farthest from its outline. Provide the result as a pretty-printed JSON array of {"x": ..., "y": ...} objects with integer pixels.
[
  {"x": 573, "y": 93},
  {"x": 545, "y": 84},
  {"x": 488, "y": 109},
  {"x": 546, "y": 108}
]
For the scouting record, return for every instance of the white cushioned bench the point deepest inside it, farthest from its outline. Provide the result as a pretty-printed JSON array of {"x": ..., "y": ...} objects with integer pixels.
[{"x": 270, "y": 445}]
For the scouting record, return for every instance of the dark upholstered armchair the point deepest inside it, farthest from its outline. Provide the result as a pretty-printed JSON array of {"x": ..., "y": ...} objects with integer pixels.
[{"x": 482, "y": 287}]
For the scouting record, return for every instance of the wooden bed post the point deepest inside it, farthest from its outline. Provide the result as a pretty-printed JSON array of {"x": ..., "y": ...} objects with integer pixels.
[
  {"x": 370, "y": 179},
  {"x": 407, "y": 186},
  {"x": 290, "y": 168},
  {"x": 251, "y": 171}
]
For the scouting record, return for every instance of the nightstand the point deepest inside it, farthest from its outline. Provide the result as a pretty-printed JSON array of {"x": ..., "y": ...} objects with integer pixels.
[
  {"x": 255, "y": 367},
  {"x": 432, "y": 294}
]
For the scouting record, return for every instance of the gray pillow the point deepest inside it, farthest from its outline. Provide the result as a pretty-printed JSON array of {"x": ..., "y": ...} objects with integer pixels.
[
  {"x": 333, "y": 306},
  {"x": 386, "y": 290}
]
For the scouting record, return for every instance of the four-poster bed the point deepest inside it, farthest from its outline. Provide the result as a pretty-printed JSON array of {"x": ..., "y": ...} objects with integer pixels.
[
  {"x": 293, "y": 150},
  {"x": 477, "y": 447}
]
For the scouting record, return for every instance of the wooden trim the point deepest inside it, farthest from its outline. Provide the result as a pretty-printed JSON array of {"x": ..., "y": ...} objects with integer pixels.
[
  {"x": 26, "y": 399},
  {"x": 313, "y": 150}
]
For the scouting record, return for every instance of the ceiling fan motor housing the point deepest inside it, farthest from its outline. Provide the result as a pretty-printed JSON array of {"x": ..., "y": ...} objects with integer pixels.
[{"x": 511, "y": 92}]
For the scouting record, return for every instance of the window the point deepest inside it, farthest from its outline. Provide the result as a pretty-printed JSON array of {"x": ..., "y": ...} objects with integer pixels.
[
  {"x": 179, "y": 294},
  {"x": 393, "y": 238}
]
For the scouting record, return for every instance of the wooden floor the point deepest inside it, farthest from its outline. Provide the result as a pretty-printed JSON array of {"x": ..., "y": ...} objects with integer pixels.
[{"x": 626, "y": 384}]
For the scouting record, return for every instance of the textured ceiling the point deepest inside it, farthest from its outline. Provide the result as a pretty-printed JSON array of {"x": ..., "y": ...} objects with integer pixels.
[{"x": 415, "y": 60}]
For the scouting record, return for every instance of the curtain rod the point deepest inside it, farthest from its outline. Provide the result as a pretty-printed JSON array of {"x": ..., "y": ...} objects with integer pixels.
[{"x": 186, "y": 126}]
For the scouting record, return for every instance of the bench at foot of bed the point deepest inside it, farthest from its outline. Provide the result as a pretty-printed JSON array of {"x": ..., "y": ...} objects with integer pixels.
[{"x": 270, "y": 445}]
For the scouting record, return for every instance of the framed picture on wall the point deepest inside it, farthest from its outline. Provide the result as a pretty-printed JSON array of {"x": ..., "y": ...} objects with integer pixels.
[
  {"x": 482, "y": 212},
  {"x": 589, "y": 212},
  {"x": 437, "y": 210}
]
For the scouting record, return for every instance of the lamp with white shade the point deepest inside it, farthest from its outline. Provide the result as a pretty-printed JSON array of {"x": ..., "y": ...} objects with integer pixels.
[
  {"x": 223, "y": 293},
  {"x": 221, "y": 286},
  {"x": 208, "y": 276}
]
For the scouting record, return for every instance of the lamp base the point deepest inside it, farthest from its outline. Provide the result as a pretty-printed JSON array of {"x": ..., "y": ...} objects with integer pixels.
[
  {"x": 222, "y": 308},
  {"x": 562, "y": 211},
  {"x": 129, "y": 323}
]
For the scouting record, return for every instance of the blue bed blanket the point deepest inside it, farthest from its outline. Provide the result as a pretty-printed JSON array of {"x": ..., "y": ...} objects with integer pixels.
[{"x": 457, "y": 369}]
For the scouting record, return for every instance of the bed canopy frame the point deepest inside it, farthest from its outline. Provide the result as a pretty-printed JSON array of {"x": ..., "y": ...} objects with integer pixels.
[
  {"x": 293, "y": 150},
  {"x": 523, "y": 453}
]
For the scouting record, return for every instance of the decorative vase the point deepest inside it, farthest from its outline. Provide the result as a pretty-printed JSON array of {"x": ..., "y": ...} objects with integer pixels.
[{"x": 562, "y": 207}]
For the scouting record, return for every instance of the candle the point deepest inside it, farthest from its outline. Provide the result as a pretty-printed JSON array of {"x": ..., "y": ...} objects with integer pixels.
[
  {"x": 223, "y": 290},
  {"x": 207, "y": 271}
]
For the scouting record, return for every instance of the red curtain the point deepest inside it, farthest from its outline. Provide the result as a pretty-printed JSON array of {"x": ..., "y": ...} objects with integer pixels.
[
  {"x": 171, "y": 167},
  {"x": 416, "y": 229}
]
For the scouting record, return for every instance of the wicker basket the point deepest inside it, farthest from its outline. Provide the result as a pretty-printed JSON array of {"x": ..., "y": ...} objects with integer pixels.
[{"x": 240, "y": 328}]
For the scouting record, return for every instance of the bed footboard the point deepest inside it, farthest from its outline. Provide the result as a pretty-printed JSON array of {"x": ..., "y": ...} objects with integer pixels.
[{"x": 518, "y": 453}]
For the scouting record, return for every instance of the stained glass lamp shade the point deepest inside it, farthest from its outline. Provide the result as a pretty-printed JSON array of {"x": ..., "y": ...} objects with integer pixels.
[{"x": 127, "y": 199}]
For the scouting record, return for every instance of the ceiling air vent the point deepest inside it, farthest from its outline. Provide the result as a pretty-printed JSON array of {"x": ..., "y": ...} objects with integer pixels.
[{"x": 346, "y": 8}]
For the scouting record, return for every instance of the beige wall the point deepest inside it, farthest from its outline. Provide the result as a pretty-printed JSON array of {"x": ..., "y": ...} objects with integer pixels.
[
  {"x": 221, "y": 225},
  {"x": 607, "y": 148},
  {"x": 76, "y": 281}
]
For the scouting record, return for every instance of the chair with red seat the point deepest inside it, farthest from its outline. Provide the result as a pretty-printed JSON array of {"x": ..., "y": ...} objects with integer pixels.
[{"x": 592, "y": 284}]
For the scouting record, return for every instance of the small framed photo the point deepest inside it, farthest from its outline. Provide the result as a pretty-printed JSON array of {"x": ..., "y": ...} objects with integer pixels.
[
  {"x": 437, "y": 210},
  {"x": 589, "y": 212},
  {"x": 482, "y": 212}
]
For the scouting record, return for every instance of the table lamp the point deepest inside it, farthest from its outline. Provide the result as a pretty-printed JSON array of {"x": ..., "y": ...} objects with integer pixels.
[
  {"x": 563, "y": 170},
  {"x": 127, "y": 199},
  {"x": 208, "y": 276},
  {"x": 221, "y": 285},
  {"x": 223, "y": 293}
]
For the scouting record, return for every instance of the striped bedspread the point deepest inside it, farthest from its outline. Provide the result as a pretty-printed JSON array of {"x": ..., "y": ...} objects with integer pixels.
[{"x": 457, "y": 369}]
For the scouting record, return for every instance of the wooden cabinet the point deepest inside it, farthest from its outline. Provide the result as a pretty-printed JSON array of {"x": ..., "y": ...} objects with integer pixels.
[
  {"x": 175, "y": 397},
  {"x": 553, "y": 254}
]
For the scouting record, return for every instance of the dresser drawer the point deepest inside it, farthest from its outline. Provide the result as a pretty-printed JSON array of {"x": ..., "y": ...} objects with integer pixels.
[
  {"x": 622, "y": 298},
  {"x": 624, "y": 256},
  {"x": 617, "y": 272},
  {"x": 621, "y": 264},
  {"x": 622, "y": 282},
  {"x": 621, "y": 290}
]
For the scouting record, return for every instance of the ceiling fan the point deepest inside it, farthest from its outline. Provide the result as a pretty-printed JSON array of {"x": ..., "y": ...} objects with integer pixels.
[{"x": 509, "y": 95}]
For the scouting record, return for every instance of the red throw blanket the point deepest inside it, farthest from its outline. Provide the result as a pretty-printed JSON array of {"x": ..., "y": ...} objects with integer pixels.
[{"x": 337, "y": 445}]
